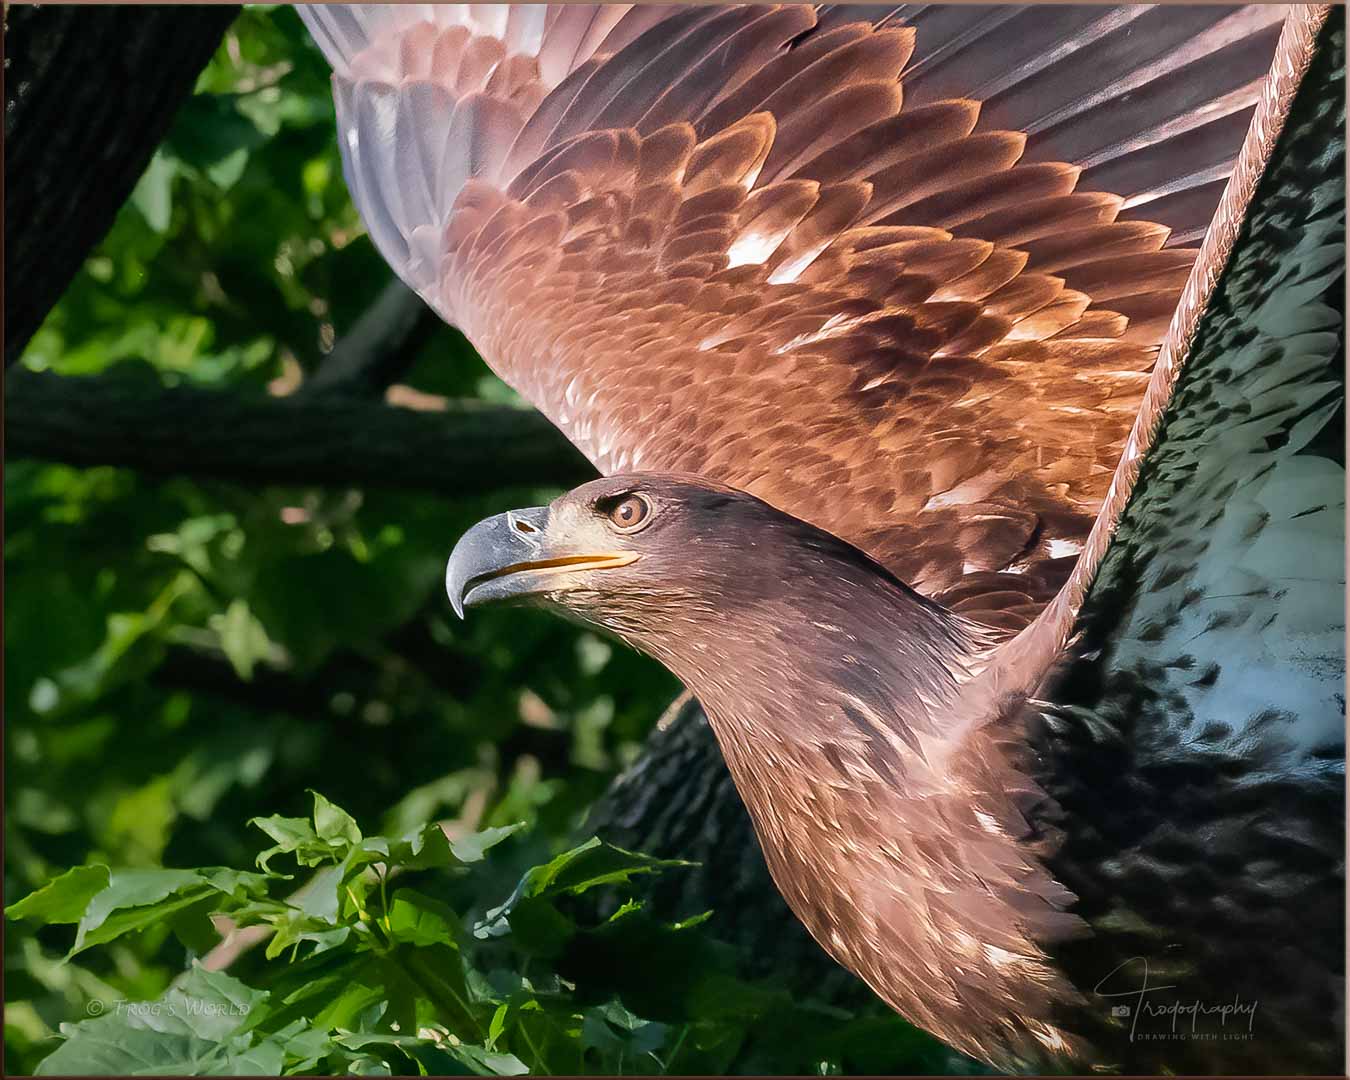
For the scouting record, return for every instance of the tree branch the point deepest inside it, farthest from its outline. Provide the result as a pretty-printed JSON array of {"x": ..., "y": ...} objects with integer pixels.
[
  {"x": 89, "y": 94},
  {"x": 301, "y": 439},
  {"x": 379, "y": 348}
]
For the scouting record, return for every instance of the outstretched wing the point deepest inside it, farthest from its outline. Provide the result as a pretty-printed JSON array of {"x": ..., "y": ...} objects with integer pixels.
[
  {"x": 1205, "y": 689},
  {"x": 902, "y": 272}
]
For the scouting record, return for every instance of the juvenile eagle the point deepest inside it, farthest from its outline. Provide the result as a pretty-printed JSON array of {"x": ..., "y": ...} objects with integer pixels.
[{"x": 876, "y": 321}]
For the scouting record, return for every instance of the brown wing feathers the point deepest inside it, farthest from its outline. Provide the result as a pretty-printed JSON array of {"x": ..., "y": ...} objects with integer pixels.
[{"x": 796, "y": 253}]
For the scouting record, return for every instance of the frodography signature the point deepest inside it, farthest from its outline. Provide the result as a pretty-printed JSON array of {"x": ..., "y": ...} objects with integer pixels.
[{"x": 1136, "y": 997}]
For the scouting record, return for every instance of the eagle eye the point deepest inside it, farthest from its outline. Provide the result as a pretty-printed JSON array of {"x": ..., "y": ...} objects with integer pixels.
[{"x": 630, "y": 513}]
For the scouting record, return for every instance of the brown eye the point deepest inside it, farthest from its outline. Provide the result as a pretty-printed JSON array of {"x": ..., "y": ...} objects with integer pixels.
[{"x": 630, "y": 513}]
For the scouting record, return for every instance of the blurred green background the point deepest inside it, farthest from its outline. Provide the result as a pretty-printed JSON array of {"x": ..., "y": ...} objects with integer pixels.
[{"x": 182, "y": 655}]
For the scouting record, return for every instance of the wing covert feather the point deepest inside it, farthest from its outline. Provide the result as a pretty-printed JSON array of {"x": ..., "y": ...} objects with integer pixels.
[{"x": 901, "y": 271}]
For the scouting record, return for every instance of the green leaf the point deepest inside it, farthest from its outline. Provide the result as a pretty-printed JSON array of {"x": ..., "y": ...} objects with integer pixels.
[
  {"x": 488, "y": 1062},
  {"x": 473, "y": 847},
  {"x": 226, "y": 172},
  {"x": 110, "y": 1047},
  {"x": 213, "y": 1004},
  {"x": 361, "y": 989},
  {"x": 293, "y": 836},
  {"x": 288, "y": 832},
  {"x": 537, "y": 927},
  {"x": 439, "y": 1058},
  {"x": 242, "y": 638},
  {"x": 334, "y": 824},
  {"x": 436, "y": 972},
  {"x": 197, "y": 1027},
  {"x": 135, "y": 899},
  {"x": 153, "y": 194},
  {"x": 304, "y": 1046},
  {"x": 528, "y": 913},
  {"x": 110, "y": 903},
  {"x": 192, "y": 925},
  {"x": 321, "y": 898},
  {"x": 419, "y": 920},
  {"x": 312, "y": 916},
  {"x": 427, "y": 847},
  {"x": 584, "y": 867},
  {"x": 589, "y": 865},
  {"x": 238, "y": 884},
  {"x": 498, "y": 1024},
  {"x": 63, "y": 899},
  {"x": 424, "y": 848},
  {"x": 211, "y": 134},
  {"x": 624, "y": 1043},
  {"x": 131, "y": 920}
]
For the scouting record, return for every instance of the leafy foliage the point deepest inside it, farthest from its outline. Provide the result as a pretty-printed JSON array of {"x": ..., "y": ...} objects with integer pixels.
[
  {"x": 185, "y": 656},
  {"x": 372, "y": 974}
]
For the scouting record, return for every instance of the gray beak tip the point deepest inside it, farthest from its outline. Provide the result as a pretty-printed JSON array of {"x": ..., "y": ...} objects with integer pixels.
[
  {"x": 485, "y": 549},
  {"x": 454, "y": 589}
]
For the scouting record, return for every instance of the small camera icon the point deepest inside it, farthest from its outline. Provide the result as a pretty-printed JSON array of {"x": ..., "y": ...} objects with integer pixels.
[{"x": 1120, "y": 1010}]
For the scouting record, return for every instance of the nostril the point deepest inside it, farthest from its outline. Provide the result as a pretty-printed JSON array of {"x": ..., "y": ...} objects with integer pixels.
[{"x": 524, "y": 526}]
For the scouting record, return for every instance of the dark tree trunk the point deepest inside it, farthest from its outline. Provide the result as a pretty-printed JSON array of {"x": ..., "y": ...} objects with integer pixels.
[{"x": 89, "y": 95}]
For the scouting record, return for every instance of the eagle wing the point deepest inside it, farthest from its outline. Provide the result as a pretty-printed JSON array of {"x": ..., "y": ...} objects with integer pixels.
[
  {"x": 1204, "y": 687},
  {"x": 902, "y": 272}
]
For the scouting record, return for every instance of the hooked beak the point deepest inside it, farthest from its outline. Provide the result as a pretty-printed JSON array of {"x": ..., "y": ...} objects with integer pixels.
[{"x": 511, "y": 556}]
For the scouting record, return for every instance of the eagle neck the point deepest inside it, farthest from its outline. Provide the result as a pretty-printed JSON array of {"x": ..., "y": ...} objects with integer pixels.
[{"x": 850, "y": 676}]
